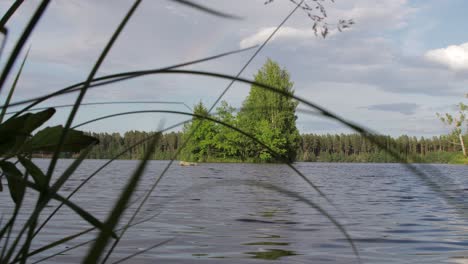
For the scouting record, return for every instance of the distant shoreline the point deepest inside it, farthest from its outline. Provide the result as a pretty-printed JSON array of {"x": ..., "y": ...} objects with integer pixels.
[{"x": 176, "y": 162}]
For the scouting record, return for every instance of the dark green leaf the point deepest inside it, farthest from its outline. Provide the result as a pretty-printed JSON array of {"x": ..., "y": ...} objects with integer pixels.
[
  {"x": 15, "y": 131},
  {"x": 36, "y": 173},
  {"x": 48, "y": 138},
  {"x": 15, "y": 180}
]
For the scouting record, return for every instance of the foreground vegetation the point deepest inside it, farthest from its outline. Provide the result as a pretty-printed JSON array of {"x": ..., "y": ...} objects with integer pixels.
[{"x": 275, "y": 138}]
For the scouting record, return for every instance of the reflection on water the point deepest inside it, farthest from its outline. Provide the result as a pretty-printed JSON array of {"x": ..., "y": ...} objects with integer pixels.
[
  {"x": 271, "y": 254},
  {"x": 267, "y": 243},
  {"x": 215, "y": 216}
]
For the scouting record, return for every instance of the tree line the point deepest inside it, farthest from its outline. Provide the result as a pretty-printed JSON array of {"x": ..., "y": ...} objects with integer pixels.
[
  {"x": 311, "y": 147},
  {"x": 270, "y": 118}
]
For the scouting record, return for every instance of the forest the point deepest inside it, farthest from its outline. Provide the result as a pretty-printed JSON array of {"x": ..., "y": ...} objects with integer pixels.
[
  {"x": 267, "y": 132},
  {"x": 311, "y": 147}
]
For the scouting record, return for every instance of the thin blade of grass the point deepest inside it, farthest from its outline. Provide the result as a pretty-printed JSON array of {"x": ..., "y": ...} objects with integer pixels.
[
  {"x": 4, "y": 32},
  {"x": 277, "y": 155},
  {"x": 105, "y": 103},
  {"x": 58, "y": 243},
  {"x": 11, "y": 223},
  {"x": 35, "y": 214},
  {"x": 86, "y": 242},
  {"x": 288, "y": 193},
  {"x": 206, "y": 9},
  {"x": 22, "y": 40},
  {"x": 86, "y": 84},
  {"x": 98, "y": 248},
  {"x": 10, "y": 12},
  {"x": 143, "y": 251},
  {"x": 62, "y": 179},
  {"x": 71, "y": 169},
  {"x": 104, "y": 166},
  {"x": 209, "y": 111},
  {"x": 364, "y": 132},
  {"x": 13, "y": 87},
  {"x": 117, "y": 76}
]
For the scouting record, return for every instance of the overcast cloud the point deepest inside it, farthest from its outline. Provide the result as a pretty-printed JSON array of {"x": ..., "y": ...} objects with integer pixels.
[{"x": 396, "y": 61}]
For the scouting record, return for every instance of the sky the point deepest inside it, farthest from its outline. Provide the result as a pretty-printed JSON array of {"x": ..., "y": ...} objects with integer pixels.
[{"x": 402, "y": 61}]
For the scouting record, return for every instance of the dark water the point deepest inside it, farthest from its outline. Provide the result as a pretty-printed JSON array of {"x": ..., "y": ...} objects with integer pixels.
[{"x": 228, "y": 213}]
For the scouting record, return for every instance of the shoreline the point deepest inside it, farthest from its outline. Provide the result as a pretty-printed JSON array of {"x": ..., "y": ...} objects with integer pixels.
[{"x": 272, "y": 163}]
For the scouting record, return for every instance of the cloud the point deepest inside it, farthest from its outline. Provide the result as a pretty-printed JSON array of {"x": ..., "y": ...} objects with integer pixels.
[
  {"x": 454, "y": 57},
  {"x": 289, "y": 33},
  {"x": 402, "y": 108},
  {"x": 386, "y": 14}
]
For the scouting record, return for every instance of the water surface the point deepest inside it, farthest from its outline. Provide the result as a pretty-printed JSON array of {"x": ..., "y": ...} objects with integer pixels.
[{"x": 223, "y": 213}]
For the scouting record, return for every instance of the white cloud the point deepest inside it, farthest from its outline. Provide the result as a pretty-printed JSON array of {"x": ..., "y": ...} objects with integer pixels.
[
  {"x": 454, "y": 56},
  {"x": 289, "y": 33},
  {"x": 386, "y": 14}
]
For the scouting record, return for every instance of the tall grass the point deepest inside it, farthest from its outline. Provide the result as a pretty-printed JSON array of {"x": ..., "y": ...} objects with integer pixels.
[{"x": 17, "y": 142}]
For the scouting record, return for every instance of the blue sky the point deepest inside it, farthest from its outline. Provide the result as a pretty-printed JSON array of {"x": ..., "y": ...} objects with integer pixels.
[{"x": 401, "y": 62}]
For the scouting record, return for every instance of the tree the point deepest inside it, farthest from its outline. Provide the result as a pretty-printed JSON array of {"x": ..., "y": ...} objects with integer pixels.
[
  {"x": 201, "y": 145},
  {"x": 271, "y": 116},
  {"x": 226, "y": 138},
  {"x": 458, "y": 124}
]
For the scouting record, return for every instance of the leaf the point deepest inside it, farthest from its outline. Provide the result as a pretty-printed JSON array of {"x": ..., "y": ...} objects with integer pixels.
[
  {"x": 48, "y": 139},
  {"x": 36, "y": 173},
  {"x": 15, "y": 131},
  {"x": 15, "y": 181}
]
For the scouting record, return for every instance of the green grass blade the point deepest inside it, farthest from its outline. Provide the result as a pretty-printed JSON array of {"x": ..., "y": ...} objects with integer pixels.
[
  {"x": 58, "y": 242},
  {"x": 288, "y": 193},
  {"x": 70, "y": 170},
  {"x": 22, "y": 40},
  {"x": 84, "y": 214},
  {"x": 104, "y": 166},
  {"x": 87, "y": 242},
  {"x": 36, "y": 173},
  {"x": 13, "y": 87},
  {"x": 9, "y": 226},
  {"x": 97, "y": 249},
  {"x": 103, "y": 103},
  {"x": 206, "y": 9},
  {"x": 4, "y": 32},
  {"x": 88, "y": 81},
  {"x": 143, "y": 251},
  {"x": 10, "y": 12},
  {"x": 116, "y": 77},
  {"x": 277, "y": 155},
  {"x": 41, "y": 205}
]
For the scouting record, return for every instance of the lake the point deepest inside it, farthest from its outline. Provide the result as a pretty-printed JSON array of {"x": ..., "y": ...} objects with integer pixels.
[{"x": 229, "y": 213}]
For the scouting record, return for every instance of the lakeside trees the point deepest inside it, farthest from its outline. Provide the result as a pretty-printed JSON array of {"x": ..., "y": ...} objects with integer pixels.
[
  {"x": 311, "y": 147},
  {"x": 268, "y": 116},
  {"x": 458, "y": 124}
]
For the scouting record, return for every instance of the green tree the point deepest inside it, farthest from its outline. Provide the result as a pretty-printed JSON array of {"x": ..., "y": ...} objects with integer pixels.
[
  {"x": 226, "y": 139},
  {"x": 271, "y": 116},
  {"x": 202, "y": 144},
  {"x": 458, "y": 124}
]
